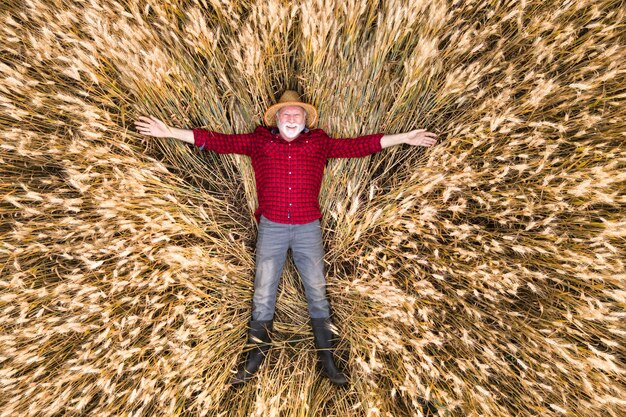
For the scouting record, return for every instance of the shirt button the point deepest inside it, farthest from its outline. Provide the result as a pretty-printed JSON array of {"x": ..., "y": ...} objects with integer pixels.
[
  {"x": 289, "y": 204},
  {"x": 290, "y": 188},
  {"x": 289, "y": 156},
  {"x": 290, "y": 173}
]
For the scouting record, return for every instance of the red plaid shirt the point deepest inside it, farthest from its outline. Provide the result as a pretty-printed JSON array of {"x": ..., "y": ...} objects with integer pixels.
[{"x": 288, "y": 174}]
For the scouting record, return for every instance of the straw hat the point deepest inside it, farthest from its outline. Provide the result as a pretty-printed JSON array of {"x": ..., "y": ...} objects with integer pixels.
[{"x": 291, "y": 98}]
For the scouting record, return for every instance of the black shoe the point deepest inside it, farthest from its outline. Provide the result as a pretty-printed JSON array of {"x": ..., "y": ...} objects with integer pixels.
[
  {"x": 323, "y": 343},
  {"x": 259, "y": 337}
]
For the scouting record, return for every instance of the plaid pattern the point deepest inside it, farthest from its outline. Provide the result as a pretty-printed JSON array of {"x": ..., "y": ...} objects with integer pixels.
[{"x": 288, "y": 174}]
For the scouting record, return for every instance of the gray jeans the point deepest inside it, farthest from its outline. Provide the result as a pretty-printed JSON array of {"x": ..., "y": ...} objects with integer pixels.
[{"x": 305, "y": 241}]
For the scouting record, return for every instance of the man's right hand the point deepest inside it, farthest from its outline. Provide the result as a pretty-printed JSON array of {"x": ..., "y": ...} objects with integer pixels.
[{"x": 153, "y": 127}]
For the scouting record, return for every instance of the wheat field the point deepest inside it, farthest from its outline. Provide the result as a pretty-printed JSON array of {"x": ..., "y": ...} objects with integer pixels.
[{"x": 481, "y": 277}]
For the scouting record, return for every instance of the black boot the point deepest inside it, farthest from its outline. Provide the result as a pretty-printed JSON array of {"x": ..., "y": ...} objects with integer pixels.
[
  {"x": 323, "y": 343},
  {"x": 259, "y": 337}
]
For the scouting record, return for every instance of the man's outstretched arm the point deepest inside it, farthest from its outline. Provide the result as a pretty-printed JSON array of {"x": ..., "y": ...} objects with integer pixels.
[
  {"x": 202, "y": 138},
  {"x": 369, "y": 144},
  {"x": 415, "y": 137},
  {"x": 155, "y": 127}
]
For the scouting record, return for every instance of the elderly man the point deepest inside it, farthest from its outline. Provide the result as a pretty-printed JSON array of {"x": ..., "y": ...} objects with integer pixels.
[{"x": 288, "y": 159}]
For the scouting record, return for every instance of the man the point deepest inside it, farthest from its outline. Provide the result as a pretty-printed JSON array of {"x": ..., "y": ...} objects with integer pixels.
[{"x": 288, "y": 159}]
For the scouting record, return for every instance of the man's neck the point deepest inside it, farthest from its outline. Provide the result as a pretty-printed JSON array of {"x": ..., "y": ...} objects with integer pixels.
[{"x": 288, "y": 139}]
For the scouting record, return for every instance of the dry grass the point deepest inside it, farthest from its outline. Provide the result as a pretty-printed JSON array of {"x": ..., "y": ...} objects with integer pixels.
[{"x": 484, "y": 275}]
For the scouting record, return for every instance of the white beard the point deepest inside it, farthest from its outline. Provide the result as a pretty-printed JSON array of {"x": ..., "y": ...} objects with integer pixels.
[{"x": 290, "y": 133}]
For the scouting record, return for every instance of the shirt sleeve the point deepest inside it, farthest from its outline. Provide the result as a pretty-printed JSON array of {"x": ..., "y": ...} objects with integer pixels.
[
  {"x": 223, "y": 142},
  {"x": 353, "y": 147}
]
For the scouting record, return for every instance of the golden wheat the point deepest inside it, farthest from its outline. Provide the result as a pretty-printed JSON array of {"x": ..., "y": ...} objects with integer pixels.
[{"x": 482, "y": 276}]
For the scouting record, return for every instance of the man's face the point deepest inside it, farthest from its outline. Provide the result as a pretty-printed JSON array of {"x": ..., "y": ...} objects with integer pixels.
[{"x": 290, "y": 121}]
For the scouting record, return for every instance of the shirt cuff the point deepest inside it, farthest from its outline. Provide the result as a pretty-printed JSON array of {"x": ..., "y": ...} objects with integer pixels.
[
  {"x": 199, "y": 137},
  {"x": 376, "y": 146}
]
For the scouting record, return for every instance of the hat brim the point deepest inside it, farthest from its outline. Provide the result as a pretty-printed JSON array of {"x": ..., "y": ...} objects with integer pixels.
[{"x": 311, "y": 113}]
